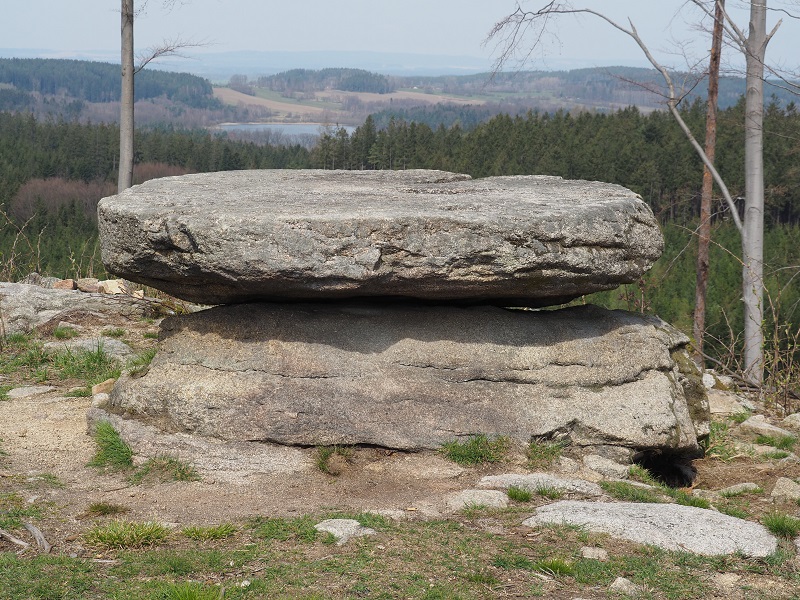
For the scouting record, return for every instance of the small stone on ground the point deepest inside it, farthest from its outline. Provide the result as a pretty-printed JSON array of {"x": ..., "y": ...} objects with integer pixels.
[{"x": 343, "y": 529}]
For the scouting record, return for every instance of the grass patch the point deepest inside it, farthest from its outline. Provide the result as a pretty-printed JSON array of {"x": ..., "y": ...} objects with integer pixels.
[
  {"x": 150, "y": 335},
  {"x": 4, "y": 389},
  {"x": 543, "y": 454},
  {"x": 740, "y": 417},
  {"x": 127, "y": 534},
  {"x": 718, "y": 445},
  {"x": 139, "y": 364},
  {"x": 112, "y": 451},
  {"x": 784, "y": 442},
  {"x": 782, "y": 525},
  {"x": 277, "y": 528},
  {"x": 90, "y": 365},
  {"x": 105, "y": 509},
  {"x": 477, "y": 450},
  {"x": 83, "y": 392},
  {"x": 554, "y": 567},
  {"x": 164, "y": 468},
  {"x": 14, "y": 508},
  {"x": 116, "y": 332},
  {"x": 744, "y": 492},
  {"x": 214, "y": 532},
  {"x": 630, "y": 493},
  {"x": 549, "y": 492},
  {"x": 732, "y": 510},
  {"x": 64, "y": 333},
  {"x": 325, "y": 455},
  {"x": 189, "y": 590},
  {"x": 518, "y": 494},
  {"x": 686, "y": 499},
  {"x": 642, "y": 475},
  {"x": 775, "y": 455}
]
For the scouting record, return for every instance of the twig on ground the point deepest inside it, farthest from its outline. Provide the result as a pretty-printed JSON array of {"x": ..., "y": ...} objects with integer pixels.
[
  {"x": 12, "y": 539},
  {"x": 37, "y": 534}
]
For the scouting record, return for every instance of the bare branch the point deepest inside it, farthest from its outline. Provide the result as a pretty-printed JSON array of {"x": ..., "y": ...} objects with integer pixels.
[
  {"x": 521, "y": 21},
  {"x": 166, "y": 48}
]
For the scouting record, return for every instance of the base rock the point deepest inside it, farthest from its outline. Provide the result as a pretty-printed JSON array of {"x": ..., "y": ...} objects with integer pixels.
[{"x": 411, "y": 377}]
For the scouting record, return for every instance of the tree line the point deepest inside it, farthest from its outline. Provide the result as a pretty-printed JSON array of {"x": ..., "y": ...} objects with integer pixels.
[
  {"x": 100, "y": 82},
  {"x": 644, "y": 152}
]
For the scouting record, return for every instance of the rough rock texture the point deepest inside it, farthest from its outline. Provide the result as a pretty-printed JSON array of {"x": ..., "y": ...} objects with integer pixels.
[
  {"x": 415, "y": 377},
  {"x": 220, "y": 238},
  {"x": 223, "y": 461},
  {"x": 668, "y": 526},
  {"x": 25, "y": 307},
  {"x": 535, "y": 481}
]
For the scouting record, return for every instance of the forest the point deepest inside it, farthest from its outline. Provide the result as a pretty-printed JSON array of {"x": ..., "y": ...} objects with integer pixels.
[{"x": 53, "y": 172}]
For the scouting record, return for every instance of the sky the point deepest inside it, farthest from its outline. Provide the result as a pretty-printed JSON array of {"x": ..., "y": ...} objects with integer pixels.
[{"x": 438, "y": 27}]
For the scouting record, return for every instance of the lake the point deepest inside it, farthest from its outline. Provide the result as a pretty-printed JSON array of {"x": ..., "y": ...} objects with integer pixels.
[{"x": 285, "y": 128}]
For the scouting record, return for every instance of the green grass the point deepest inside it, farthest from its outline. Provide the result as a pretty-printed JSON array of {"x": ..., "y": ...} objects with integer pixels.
[
  {"x": 93, "y": 366},
  {"x": 164, "y": 468},
  {"x": 782, "y": 525},
  {"x": 324, "y": 454},
  {"x": 719, "y": 445},
  {"x": 139, "y": 364},
  {"x": 214, "y": 532},
  {"x": 84, "y": 392},
  {"x": 150, "y": 335},
  {"x": 776, "y": 455},
  {"x": 554, "y": 566},
  {"x": 116, "y": 332},
  {"x": 542, "y": 455},
  {"x": 4, "y": 389},
  {"x": 276, "y": 528},
  {"x": 642, "y": 475},
  {"x": 737, "y": 494},
  {"x": 190, "y": 590},
  {"x": 419, "y": 559},
  {"x": 126, "y": 534},
  {"x": 630, "y": 493},
  {"x": 549, "y": 492},
  {"x": 518, "y": 494},
  {"x": 781, "y": 442},
  {"x": 112, "y": 451},
  {"x": 478, "y": 449},
  {"x": 14, "y": 508},
  {"x": 105, "y": 509},
  {"x": 64, "y": 333}
]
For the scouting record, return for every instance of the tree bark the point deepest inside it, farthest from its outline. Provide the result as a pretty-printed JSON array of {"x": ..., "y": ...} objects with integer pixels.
[
  {"x": 704, "y": 232},
  {"x": 125, "y": 177},
  {"x": 753, "y": 234}
]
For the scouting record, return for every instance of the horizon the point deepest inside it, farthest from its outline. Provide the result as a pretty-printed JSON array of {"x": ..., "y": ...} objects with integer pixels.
[{"x": 446, "y": 29}]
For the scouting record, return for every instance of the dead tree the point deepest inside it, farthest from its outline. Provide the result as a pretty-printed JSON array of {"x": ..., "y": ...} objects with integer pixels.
[{"x": 514, "y": 32}]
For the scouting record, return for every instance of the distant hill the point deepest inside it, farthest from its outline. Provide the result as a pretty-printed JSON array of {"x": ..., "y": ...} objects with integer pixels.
[
  {"x": 99, "y": 82},
  {"x": 308, "y": 80}
]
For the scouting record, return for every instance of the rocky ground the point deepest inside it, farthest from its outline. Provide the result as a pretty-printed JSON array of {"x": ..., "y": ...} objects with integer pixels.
[{"x": 45, "y": 451}]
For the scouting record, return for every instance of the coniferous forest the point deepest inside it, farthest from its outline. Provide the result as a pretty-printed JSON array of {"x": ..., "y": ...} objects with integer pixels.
[{"x": 54, "y": 171}]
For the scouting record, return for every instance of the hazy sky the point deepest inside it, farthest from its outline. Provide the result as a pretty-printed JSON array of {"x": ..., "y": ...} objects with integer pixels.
[{"x": 443, "y": 27}]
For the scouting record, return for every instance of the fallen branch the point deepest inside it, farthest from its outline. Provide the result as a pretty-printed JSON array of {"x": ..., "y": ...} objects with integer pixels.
[
  {"x": 39, "y": 537},
  {"x": 12, "y": 539}
]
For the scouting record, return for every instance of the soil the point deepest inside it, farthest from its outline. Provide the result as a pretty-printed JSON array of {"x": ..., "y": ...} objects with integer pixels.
[{"x": 45, "y": 450}]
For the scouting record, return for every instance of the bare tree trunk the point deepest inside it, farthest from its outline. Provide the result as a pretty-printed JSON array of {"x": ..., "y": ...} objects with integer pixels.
[
  {"x": 753, "y": 234},
  {"x": 125, "y": 178},
  {"x": 704, "y": 233}
]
